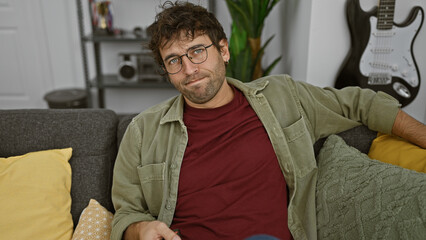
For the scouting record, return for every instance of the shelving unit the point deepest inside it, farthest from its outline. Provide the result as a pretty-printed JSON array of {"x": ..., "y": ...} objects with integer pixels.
[{"x": 102, "y": 81}]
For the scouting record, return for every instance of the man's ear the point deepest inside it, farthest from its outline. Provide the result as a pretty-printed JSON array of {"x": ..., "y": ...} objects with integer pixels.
[{"x": 224, "y": 50}]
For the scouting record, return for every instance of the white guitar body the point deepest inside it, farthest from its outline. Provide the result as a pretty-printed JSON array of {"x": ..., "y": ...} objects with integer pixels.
[{"x": 388, "y": 54}]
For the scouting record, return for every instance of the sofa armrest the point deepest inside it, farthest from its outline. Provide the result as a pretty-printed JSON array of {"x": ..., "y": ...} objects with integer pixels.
[{"x": 359, "y": 137}]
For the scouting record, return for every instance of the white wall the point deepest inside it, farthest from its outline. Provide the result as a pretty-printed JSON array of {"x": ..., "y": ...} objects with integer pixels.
[
  {"x": 316, "y": 52},
  {"x": 34, "y": 38},
  {"x": 312, "y": 37}
]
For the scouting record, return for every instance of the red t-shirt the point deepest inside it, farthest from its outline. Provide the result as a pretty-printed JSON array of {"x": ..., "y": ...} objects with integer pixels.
[{"x": 230, "y": 185}]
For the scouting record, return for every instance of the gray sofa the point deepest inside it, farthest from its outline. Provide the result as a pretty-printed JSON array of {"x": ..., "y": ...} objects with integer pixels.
[{"x": 94, "y": 135}]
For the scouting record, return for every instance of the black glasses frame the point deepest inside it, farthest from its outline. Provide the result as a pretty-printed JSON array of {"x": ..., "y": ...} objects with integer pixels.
[{"x": 190, "y": 59}]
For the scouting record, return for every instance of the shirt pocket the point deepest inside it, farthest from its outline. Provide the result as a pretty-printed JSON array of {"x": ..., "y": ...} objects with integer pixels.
[
  {"x": 152, "y": 181},
  {"x": 300, "y": 146}
]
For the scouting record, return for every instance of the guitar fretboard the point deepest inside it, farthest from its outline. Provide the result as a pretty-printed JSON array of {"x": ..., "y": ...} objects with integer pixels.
[{"x": 385, "y": 14}]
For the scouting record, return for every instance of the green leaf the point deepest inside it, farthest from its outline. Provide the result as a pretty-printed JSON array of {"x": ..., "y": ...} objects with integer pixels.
[
  {"x": 248, "y": 18},
  {"x": 274, "y": 2},
  {"x": 240, "y": 66},
  {"x": 238, "y": 15},
  {"x": 267, "y": 42},
  {"x": 271, "y": 66},
  {"x": 244, "y": 70},
  {"x": 262, "y": 16},
  {"x": 238, "y": 40},
  {"x": 250, "y": 7}
]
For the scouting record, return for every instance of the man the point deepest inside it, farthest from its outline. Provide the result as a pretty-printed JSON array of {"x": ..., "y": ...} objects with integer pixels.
[{"x": 228, "y": 160}]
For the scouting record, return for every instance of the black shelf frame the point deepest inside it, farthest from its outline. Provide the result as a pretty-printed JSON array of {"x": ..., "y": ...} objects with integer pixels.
[
  {"x": 114, "y": 38},
  {"x": 111, "y": 81},
  {"x": 104, "y": 81}
]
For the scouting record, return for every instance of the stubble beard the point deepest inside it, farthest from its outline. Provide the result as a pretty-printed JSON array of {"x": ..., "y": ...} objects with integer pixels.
[{"x": 204, "y": 93}]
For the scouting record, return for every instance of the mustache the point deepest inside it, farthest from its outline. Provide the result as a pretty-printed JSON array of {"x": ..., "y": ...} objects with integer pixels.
[{"x": 193, "y": 77}]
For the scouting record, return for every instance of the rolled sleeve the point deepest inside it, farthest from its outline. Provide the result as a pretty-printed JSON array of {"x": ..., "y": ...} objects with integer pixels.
[
  {"x": 382, "y": 112},
  {"x": 333, "y": 110}
]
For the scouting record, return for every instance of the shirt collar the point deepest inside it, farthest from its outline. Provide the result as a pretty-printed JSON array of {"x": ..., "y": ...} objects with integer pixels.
[
  {"x": 175, "y": 112},
  {"x": 250, "y": 88}
]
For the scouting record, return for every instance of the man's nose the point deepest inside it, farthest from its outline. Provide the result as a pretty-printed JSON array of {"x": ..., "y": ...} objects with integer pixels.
[{"x": 188, "y": 67}]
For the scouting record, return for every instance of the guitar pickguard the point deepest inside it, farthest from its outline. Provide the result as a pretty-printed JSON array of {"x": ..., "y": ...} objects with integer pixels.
[
  {"x": 382, "y": 60},
  {"x": 388, "y": 54}
]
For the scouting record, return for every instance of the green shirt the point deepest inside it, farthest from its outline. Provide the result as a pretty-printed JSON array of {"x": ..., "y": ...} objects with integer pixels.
[{"x": 294, "y": 114}]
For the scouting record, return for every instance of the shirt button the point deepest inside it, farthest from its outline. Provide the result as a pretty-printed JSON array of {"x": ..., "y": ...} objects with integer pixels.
[{"x": 173, "y": 166}]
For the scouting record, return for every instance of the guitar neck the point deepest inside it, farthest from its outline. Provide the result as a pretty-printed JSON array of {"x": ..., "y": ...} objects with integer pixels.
[{"x": 385, "y": 14}]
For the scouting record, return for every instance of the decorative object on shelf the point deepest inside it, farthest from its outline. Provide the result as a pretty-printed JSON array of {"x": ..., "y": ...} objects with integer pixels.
[
  {"x": 148, "y": 68},
  {"x": 381, "y": 54},
  {"x": 101, "y": 16},
  {"x": 138, "y": 67},
  {"x": 143, "y": 65},
  {"x": 139, "y": 32},
  {"x": 127, "y": 68},
  {"x": 248, "y": 17}
]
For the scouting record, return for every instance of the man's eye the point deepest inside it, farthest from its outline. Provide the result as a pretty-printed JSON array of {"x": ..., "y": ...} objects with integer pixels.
[
  {"x": 198, "y": 51},
  {"x": 173, "y": 61}
]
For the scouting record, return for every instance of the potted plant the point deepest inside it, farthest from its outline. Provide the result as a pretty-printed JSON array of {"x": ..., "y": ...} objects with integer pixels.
[{"x": 248, "y": 17}]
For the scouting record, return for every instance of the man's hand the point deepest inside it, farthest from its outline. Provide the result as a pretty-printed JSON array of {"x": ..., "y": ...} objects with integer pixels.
[
  {"x": 409, "y": 128},
  {"x": 154, "y": 230}
]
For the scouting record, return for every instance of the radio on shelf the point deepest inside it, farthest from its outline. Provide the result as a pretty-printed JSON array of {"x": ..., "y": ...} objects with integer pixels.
[{"x": 138, "y": 67}]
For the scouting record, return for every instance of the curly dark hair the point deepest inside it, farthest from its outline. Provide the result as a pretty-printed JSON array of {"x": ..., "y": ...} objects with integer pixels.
[{"x": 182, "y": 17}]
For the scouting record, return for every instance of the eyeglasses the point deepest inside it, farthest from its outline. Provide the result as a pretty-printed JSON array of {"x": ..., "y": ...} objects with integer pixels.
[{"x": 197, "y": 55}]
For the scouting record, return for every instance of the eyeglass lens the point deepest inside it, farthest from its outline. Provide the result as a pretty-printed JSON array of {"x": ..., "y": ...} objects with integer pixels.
[{"x": 196, "y": 55}]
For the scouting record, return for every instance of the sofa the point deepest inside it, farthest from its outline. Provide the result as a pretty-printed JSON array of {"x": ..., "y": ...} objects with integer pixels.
[{"x": 94, "y": 135}]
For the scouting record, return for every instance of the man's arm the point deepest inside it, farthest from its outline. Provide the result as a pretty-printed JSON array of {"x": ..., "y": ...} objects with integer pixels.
[
  {"x": 410, "y": 129},
  {"x": 126, "y": 193},
  {"x": 150, "y": 231}
]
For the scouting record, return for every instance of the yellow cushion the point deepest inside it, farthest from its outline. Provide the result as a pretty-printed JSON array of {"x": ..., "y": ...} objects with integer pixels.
[
  {"x": 95, "y": 223},
  {"x": 398, "y": 151},
  {"x": 35, "y": 201}
]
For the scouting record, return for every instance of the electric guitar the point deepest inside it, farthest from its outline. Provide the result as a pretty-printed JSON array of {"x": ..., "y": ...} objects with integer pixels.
[{"x": 381, "y": 56}]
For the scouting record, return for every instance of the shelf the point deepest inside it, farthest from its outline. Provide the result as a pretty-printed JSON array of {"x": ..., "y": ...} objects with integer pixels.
[
  {"x": 111, "y": 81},
  {"x": 102, "y": 81},
  {"x": 113, "y": 38}
]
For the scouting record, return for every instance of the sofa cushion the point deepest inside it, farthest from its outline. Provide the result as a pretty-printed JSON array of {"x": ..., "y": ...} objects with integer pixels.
[
  {"x": 360, "y": 198},
  {"x": 398, "y": 151},
  {"x": 90, "y": 132},
  {"x": 95, "y": 223},
  {"x": 35, "y": 199}
]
